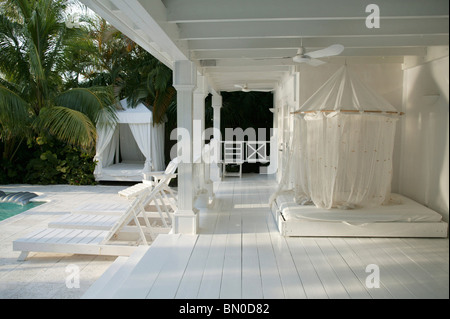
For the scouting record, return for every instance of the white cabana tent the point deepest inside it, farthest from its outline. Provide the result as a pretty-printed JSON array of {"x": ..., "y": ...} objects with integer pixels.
[{"x": 130, "y": 149}]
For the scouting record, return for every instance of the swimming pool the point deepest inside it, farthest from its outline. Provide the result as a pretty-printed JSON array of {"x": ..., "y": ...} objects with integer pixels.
[{"x": 11, "y": 209}]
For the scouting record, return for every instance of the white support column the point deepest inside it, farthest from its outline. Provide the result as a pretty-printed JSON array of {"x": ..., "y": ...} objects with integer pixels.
[
  {"x": 185, "y": 81},
  {"x": 217, "y": 105},
  {"x": 199, "y": 127}
]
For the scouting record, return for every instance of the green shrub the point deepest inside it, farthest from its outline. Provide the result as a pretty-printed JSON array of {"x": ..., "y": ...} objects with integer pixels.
[{"x": 54, "y": 162}]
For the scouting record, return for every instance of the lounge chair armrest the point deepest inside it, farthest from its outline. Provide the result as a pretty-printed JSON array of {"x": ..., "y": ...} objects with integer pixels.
[{"x": 157, "y": 175}]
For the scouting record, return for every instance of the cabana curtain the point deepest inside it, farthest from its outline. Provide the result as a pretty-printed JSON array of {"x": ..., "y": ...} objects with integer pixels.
[
  {"x": 105, "y": 134},
  {"x": 143, "y": 138}
]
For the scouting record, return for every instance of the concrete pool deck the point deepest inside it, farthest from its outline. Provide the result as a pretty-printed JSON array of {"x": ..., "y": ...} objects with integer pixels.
[{"x": 44, "y": 275}]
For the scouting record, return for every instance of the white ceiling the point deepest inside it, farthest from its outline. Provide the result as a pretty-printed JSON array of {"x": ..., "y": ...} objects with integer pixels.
[{"x": 253, "y": 41}]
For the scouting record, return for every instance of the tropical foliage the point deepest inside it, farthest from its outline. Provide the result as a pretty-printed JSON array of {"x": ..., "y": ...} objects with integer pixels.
[
  {"x": 57, "y": 81},
  {"x": 133, "y": 73},
  {"x": 37, "y": 53}
]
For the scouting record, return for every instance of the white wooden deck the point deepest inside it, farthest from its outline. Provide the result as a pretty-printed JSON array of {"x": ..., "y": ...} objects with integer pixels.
[{"x": 239, "y": 253}]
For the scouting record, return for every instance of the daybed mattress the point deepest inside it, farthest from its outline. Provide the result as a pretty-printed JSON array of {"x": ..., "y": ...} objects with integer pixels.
[
  {"x": 123, "y": 169},
  {"x": 122, "y": 172},
  {"x": 402, "y": 209}
]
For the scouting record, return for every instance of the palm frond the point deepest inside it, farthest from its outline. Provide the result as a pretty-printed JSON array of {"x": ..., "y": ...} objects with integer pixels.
[
  {"x": 14, "y": 113},
  {"x": 162, "y": 103},
  {"x": 67, "y": 125},
  {"x": 95, "y": 102},
  {"x": 13, "y": 61}
]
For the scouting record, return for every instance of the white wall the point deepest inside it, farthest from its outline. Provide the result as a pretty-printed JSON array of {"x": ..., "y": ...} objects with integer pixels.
[
  {"x": 286, "y": 100},
  {"x": 424, "y": 174}
]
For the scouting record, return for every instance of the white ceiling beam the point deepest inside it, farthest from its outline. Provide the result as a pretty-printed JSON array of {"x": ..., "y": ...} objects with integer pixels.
[
  {"x": 265, "y": 69},
  {"x": 236, "y": 63},
  {"x": 182, "y": 11},
  {"x": 253, "y": 83},
  {"x": 261, "y": 82},
  {"x": 296, "y": 29},
  {"x": 152, "y": 22},
  {"x": 252, "y": 74},
  {"x": 248, "y": 62},
  {"x": 287, "y": 53},
  {"x": 243, "y": 54},
  {"x": 321, "y": 42}
]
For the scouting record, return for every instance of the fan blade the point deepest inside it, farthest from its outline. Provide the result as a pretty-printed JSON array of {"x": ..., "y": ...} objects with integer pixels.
[
  {"x": 315, "y": 62},
  {"x": 263, "y": 90},
  {"x": 334, "y": 49}
]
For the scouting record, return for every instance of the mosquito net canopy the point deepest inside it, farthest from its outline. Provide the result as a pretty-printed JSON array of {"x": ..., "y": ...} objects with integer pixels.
[{"x": 341, "y": 150}]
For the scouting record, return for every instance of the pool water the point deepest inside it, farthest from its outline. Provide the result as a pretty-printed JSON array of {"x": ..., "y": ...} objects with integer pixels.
[{"x": 11, "y": 209}]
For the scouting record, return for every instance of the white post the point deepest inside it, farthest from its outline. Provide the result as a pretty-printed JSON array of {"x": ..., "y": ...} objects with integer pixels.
[
  {"x": 217, "y": 105},
  {"x": 185, "y": 81},
  {"x": 199, "y": 127}
]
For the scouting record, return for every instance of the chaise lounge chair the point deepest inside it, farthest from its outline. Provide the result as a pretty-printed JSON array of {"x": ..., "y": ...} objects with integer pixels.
[
  {"x": 154, "y": 207},
  {"x": 131, "y": 229},
  {"x": 166, "y": 175}
]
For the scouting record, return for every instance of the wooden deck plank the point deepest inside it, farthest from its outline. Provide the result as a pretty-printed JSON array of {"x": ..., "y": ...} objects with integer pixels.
[
  {"x": 144, "y": 274},
  {"x": 398, "y": 270},
  {"x": 190, "y": 283},
  {"x": 212, "y": 275},
  {"x": 231, "y": 273},
  {"x": 387, "y": 274},
  {"x": 292, "y": 285},
  {"x": 251, "y": 272},
  {"x": 311, "y": 282},
  {"x": 272, "y": 286},
  {"x": 192, "y": 278},
  {"x": 210, "y": 285},
  {"x": 354, "y": 287},
  {"x": 358, "y": 267},
  {"x": 330, "y": 281},
  {"x": 426, "y": 259},
  {"x": 427, "y": 285},
  {"x": 167, "y": 282}
]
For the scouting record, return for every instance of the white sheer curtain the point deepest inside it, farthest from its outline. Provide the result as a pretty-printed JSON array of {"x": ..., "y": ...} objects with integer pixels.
[
  {"x": 105, "y": 133},
  {"x": 349, "y": 159},
  {"x": 158, "y": 147},
  {"x": 299, "y": 162},
  {"x": 142, "y": 135}
]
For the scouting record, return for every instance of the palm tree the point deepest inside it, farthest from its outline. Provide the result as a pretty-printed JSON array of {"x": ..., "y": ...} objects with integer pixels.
[
  {"x": 131, "y": 71},
  {"x": 36, "y": 52}
]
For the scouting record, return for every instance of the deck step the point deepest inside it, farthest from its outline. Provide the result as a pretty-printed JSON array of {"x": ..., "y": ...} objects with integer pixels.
[
  {"x": 167, "y": 257},
  {"x": 105, "y": 278},
  {"x": 114, "y": 276}
]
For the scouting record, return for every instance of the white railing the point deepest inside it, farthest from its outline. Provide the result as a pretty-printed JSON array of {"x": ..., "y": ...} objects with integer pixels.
[{"x": 238, "y": 152}]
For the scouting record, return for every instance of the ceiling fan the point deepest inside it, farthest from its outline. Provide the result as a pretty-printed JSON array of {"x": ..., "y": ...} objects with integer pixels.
[
  {"x": 245, "y": 88},
  {"x": 311, "y": 58}
]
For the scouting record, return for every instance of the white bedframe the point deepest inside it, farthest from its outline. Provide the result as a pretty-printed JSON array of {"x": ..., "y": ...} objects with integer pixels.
[
  {"x": 407, "y": 218},
  {"x": 126, "y": 171}
]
